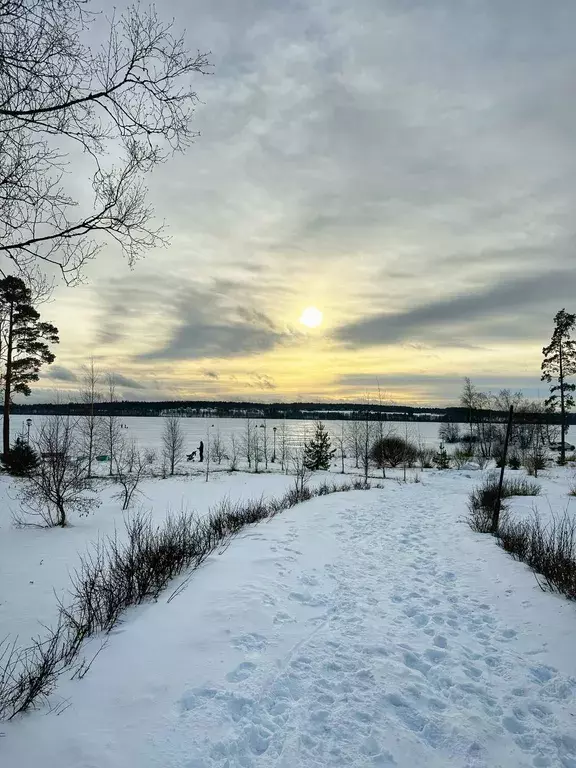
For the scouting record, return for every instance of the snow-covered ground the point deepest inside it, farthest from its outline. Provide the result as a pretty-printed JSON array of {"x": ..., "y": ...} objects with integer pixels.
[{"x": 359, "y": 629}]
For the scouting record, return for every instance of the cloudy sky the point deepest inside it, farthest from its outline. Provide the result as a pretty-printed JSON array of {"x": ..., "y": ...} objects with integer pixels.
[{"x": 405, "y": 166}]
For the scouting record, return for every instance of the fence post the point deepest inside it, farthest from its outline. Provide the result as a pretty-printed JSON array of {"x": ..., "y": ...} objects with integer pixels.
[{"x": 496, "y": 513}]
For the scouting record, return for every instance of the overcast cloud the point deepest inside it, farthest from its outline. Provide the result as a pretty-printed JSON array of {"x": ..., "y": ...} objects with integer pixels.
[{"x": 407, "y": 167}]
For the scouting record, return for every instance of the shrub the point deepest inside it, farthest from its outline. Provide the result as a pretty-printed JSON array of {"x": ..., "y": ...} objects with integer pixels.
[
  {"x": 535, "y": 462},
  {"x": 548, "y": 549},
  {"x": 483, "y": 500},
  {"x": 482, "y": 505},
  {"x": 461, "y": 456},
  {"x": 392, "y": 451},
  {"x": 514, "y": 462},
  {"x": 426, "y": 457},
  {"x": 520, "y": 487},
  {"x": 449, "y": 432},
  {"x": 22, "y": 459}
]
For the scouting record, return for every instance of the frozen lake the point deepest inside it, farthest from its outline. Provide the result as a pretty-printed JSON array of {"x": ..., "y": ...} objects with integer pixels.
[{"x": 147, "y": 430}]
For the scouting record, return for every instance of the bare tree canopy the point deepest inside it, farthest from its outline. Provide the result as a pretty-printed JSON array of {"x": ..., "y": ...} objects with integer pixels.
[{"x": 115, "y": 111}]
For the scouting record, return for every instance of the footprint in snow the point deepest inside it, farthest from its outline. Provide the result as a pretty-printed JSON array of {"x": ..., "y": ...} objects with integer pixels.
[
  {"x": 251, "y": 642},
  {"x": 283, "y": 618},
  {"x": 242, "y": 672},
  {"x": 306, "y": 598}
]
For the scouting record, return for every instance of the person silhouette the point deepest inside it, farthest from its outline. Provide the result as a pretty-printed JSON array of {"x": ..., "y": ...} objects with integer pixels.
[{"x": 201, "y": 451}]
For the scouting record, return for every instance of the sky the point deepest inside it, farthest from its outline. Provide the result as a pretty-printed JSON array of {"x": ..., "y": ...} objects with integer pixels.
[{"x": 407, "y": 167}]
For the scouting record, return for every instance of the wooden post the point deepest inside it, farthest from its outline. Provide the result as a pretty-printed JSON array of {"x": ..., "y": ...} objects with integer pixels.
[{"x": 496, "y": 513}]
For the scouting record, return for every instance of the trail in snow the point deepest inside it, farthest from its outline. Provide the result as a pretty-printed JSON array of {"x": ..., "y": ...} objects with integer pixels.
[
  {"x": 365, "y": 629},
  {"x": 395, "y": 648}
]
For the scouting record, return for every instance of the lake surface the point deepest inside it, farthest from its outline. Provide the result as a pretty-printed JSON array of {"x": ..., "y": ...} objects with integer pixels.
[{"x": 147, "y": 430}]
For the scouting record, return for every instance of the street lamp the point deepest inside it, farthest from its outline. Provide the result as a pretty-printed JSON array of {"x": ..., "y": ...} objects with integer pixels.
[
  {"x": 28, "y": 424},
  {"x": 274, "y": 451}
]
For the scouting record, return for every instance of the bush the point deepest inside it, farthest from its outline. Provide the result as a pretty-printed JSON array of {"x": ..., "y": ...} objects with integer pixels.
[
  {"x": 482, "y": 505},
  {"x": 548, "y": 549},
  {"x": 461, "y": 456},
  {"x": 449, "y": 433},
  {"x": 393, "y": 451},
  {"x": 520, "y": 487},
  {"x": 22, "y": 459},
  {"x": 466, "y": 438},
  {"x": 535, "y": 462},
  {"x": 426, "y": 457},
  {"x": 514, "y": 462},
  {"x": 483, "y": 500}
]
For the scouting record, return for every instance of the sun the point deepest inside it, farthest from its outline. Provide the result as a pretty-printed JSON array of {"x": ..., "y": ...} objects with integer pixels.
[{"x": 311, "y": 317}]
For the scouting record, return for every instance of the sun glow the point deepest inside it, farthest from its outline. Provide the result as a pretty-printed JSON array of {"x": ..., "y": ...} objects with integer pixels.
[{"x": 311, "y": 317}]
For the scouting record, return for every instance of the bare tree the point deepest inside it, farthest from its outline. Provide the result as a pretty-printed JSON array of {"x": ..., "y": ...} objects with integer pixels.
[
  {"x": 381, "y": 429},
  {"x": 124, "y": 106},
  {"x": 264, "y": 428},
  {"x": 471, "y": 399},
  {"x": 257, "y": 444},
  {"x": 110, "y": 423},
  {"x": 217, "y": 448},
  {"x": 61, "y": 481},
  {"x": 90, "y": 423},
  {"x": 354, "y": 441},
  {"x": 233, "y": 453},
  {"x": 340, "y": 440},
  {"x": 367, "y": 433},
  {"x": 130, "y": 466},
  {"x": 301, "y": 472},
  {"x": 284, "y": 450},
  {"x": 173, "y": 442},
  {"x": 248, "y": 441}
]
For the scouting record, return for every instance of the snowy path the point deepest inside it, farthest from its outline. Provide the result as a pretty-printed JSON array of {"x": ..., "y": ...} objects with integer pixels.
[{"x": 357, "y": 630}]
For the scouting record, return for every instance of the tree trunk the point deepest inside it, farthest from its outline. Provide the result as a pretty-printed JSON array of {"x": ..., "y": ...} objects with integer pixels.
[
  {"x": 562, "y": 408},
  {"x": 8, "y": 384},
  {"x": 61, "y": 514}
]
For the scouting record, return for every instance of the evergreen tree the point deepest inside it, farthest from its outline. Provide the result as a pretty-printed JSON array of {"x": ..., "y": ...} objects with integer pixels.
[
  {"x": 318, "y": 452},
  {"x": 23, "y": 344},
  {"x": 441, "y": 459},
  {"x": 558, "y": 364},
  {"x": 22, "y": 459}
]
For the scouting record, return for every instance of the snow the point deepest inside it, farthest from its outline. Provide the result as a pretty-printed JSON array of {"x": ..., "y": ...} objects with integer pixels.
[
  {"x": 36, "y": 563},
  {"x": 371, "y": 628}
]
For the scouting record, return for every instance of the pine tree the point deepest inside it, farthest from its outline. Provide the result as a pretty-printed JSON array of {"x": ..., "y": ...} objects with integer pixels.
[
  {"x": 558, "y": 364},
  {"x": 24, "y": 344},
  {"x": 441, "y": 459},
  {"x": 22, "y": 459},
  {"x": 318, "y": 452}
]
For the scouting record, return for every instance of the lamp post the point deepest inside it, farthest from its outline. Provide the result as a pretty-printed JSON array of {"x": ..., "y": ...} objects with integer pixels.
[
  {"x": 28, "y": 424},
  {"x": 274, "y": 450}
]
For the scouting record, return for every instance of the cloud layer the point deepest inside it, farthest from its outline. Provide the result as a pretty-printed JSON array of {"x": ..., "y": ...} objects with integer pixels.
[{"x": 407, "y": 167}]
